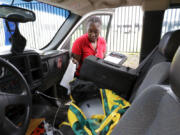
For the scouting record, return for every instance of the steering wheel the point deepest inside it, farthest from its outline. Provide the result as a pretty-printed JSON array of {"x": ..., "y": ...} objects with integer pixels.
[{"x": 7, "y": 126}]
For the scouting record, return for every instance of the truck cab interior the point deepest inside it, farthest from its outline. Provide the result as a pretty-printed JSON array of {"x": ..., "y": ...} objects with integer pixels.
[{"x": 30, "y": 78}]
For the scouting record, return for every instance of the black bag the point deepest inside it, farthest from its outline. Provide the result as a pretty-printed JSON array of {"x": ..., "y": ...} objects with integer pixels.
[{"x": 83, "y": 90}]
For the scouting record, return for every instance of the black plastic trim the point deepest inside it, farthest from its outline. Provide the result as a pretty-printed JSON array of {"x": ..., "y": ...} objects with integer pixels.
[
  {"x": 152, "y": 26},
  {"x": 62, "y": 32},
  {"x": 174, "y": 5}
]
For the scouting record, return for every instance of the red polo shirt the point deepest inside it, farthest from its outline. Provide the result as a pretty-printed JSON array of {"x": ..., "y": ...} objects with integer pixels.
[{"x": 82, "y": 46}]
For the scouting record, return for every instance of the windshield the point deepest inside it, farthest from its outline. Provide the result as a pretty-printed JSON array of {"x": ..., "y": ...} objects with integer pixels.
[{"x": 38, "y": 33}]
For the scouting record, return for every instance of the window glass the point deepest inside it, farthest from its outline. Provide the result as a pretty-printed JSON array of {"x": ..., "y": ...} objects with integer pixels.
[
  {"x": 40, "y": 32},
  {"x": 171, "y": 20},
  {"x": 126, "y": 32}
]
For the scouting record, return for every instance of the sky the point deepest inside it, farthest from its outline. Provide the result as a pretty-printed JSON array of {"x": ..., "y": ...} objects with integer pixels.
[
  {"x": 47, "y": 9},
  {"x": 9, "y": 1}
]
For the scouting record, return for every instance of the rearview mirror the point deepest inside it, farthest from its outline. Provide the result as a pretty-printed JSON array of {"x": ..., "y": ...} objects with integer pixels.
[{"x": 16, "y": 14}]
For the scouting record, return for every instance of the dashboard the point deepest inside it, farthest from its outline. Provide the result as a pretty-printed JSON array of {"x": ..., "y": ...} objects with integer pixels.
[{"x": 41, "y": 70}]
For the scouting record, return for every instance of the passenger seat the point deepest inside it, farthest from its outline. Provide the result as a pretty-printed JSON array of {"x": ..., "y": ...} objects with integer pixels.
[
  {"x": 156, "y": 111},
  {"x": 164, "y": 52}
]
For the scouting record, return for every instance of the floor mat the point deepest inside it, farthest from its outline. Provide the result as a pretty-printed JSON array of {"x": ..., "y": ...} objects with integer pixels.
[{"x": 36, "y": 127}]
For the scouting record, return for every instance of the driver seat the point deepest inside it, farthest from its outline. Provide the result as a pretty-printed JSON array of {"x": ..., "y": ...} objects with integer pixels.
[{"x": 156, "y": 111}]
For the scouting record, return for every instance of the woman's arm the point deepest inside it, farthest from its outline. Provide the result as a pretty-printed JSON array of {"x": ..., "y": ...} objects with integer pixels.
[
  {"x": 76, "y": 51},
  {"x": 76, "y": 58}
]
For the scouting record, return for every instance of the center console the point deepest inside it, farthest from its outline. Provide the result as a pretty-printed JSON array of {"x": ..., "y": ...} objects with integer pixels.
[{"x": 119, "y": 78}]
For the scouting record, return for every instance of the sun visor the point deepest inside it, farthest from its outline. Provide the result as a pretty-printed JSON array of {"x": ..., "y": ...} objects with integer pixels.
[
  {"x": 153, "y": 5},
  {"x": 82, "y": 7}
]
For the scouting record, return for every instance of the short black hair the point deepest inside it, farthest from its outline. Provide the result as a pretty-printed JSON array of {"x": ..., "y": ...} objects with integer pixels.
[{"x": 93, "y": 19}]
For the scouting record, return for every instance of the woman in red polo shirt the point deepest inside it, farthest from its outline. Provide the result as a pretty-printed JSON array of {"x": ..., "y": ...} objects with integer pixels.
[{"x": 89, "y": 44}]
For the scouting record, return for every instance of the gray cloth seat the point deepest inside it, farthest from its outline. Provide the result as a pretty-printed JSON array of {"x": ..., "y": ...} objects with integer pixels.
[
  {"x": 156, "y": 111},
  {"x": 164, "y": 52},
  {"x": 158, "y": 74}
]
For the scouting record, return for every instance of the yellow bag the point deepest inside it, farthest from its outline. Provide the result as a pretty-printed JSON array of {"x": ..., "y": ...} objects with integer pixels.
[{"x": 113, "y": 106}]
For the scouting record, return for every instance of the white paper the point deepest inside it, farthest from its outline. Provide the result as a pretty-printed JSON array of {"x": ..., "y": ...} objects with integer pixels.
[
  {"x": 68, "y": 76},
  {"x": 113, "y": 59}
]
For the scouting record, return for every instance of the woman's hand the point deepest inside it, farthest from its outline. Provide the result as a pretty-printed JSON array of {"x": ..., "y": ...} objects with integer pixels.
[{"x": 75, "y": 61}]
